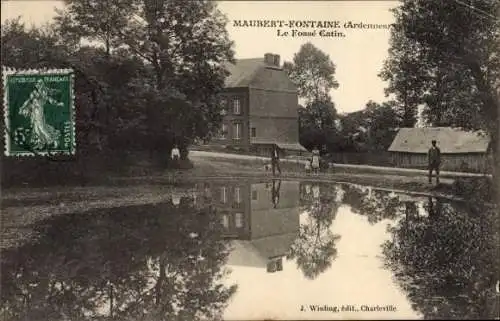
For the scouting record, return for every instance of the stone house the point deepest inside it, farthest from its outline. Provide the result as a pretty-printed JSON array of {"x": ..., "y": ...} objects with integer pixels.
[{"x": 260, "y": 107}]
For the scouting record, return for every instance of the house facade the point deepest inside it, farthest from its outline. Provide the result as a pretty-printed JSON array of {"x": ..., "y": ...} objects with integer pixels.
[
  {"x": 260, "y": 107},
  {"x": 462, "y": 151}
]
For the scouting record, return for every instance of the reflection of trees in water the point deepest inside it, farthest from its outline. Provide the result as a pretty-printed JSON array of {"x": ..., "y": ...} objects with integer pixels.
[
  {"x": 109, "y": 262},
  {"x": 448, "y": 261},
  {"x": 314, "y": 249},
  {"x": 376, "y": 205}
]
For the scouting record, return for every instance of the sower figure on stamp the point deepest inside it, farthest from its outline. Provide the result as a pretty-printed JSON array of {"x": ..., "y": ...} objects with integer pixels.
[
  {"x": 275, "y": 160},
  {"x": 33, "y": 108},
  {"x": 434, "y": 158}
]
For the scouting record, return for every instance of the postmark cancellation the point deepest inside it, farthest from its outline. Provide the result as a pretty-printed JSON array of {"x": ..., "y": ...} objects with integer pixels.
[{"x": 39, "y": 112}]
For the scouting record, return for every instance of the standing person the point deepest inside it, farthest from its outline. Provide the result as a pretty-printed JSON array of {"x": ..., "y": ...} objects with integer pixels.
[
  {"x": 275, "y": 160},
  {"x": 275, "y": 192},
  {"x": 315, "y": 160},
  {"x": 175, "y": 155},
  {"x": 434, "y": 158}
]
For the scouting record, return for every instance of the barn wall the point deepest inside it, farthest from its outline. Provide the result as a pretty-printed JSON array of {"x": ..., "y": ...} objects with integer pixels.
[{"x": 475, "y": 163}]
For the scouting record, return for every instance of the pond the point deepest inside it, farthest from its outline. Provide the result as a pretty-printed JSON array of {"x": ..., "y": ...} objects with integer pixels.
[{"x": 254, "y": 250}]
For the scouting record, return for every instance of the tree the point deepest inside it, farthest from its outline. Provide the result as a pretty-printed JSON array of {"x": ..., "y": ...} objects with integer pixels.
[
  {"x": 457, "y": 45},
  {"x": 405, "y": 72},
  {"x": 94, "y": 20},
  {"x": 382, "y": 123},
  {"x": 184, "y": 47},
  {"x": 317, "y": 126},
  {"x": 372, "y": 128},
  {"x": 313, "y": 73}
]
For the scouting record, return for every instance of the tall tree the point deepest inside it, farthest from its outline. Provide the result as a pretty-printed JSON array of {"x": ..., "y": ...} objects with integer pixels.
[
  {"x": 95, "y": 20},
  {"x": 406, "y": 73},
  {"x": 313, "y": 73},
  {"x": 183, "y": 45}
]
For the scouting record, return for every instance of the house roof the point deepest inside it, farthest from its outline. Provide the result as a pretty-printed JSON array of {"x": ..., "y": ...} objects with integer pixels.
[
  {"x": 255, "y": 73},
  {"x": 275, "y": 245},
  {"x": 256, "y": 253},
  {"x": 242, "y": 72},
  {"x": 449, "y": 140},
  {"x": 282, "y": 145}
]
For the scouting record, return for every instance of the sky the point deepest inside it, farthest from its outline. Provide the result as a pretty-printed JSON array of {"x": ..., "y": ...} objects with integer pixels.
[{"x": 358, "y": 56}]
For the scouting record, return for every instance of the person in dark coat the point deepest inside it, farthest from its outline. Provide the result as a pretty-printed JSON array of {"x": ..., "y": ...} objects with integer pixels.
[
  {"x": 275, "y": 192},
  {"x": 434, "y": 157},
  {"x": 275, "y": 160}
]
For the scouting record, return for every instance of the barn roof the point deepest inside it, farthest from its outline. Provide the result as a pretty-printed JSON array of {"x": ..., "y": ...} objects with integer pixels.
[{"x": 449, "y": 140}]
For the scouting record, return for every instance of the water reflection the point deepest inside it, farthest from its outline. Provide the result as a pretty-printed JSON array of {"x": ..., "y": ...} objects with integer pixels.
[
  {"x": 376, "y": 205},
  {"x": 314, "y": 248},
  {"x": 152, "y": 262},
  {"x": 447, "y": 261},
  {"x": 287, "y": 243},
  {"x": 261, "y": 219},
  {"x": 444, "y": 254}
]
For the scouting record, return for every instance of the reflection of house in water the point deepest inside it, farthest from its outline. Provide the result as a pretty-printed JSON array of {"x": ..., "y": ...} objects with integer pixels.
[{"x": 262, "y": 219}]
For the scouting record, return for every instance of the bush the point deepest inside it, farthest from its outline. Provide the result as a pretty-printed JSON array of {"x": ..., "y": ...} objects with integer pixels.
[{"x": 480, "y": 188}]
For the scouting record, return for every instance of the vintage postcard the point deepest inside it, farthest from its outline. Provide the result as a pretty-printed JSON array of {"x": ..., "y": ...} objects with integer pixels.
[{"x": 250, "y": 160}]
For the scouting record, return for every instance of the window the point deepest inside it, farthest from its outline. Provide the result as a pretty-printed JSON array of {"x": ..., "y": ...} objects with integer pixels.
[
  {"x": 236, "y": 106},
  {"x": 223, "y": 133},
  {"x": 237, "y": 131},
  {"x": 237, "y": 195},
  {"x": 254, "y": 132},
  {"x": 254, "y": 195},
  {"x": 225, "y": 221},
  {"x": 223, "y": 105},
  {"x": 239, "y": 220},
  {"x": 223, "y": 194}
]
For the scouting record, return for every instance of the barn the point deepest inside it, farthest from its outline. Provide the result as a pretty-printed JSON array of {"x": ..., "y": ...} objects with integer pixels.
[{"x": 463, "y": 151}]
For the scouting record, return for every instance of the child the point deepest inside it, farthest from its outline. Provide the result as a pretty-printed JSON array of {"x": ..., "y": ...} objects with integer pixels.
[
  {"x": 308, "y": 166},
  {"x": 315, "y": 161}
]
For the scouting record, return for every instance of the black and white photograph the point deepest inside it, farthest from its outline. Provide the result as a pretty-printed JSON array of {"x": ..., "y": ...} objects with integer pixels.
[{"x": 200, "y": 160}]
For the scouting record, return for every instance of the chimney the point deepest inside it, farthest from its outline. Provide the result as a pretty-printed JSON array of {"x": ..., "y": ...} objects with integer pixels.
[
  {"x": 269, "y": 59},
  {"x": 277, "y": 60},
  {"x": 272, "y": 60}
]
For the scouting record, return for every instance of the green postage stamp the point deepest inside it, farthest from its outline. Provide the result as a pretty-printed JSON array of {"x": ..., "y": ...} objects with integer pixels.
[{"x": 39, "y": 112}]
